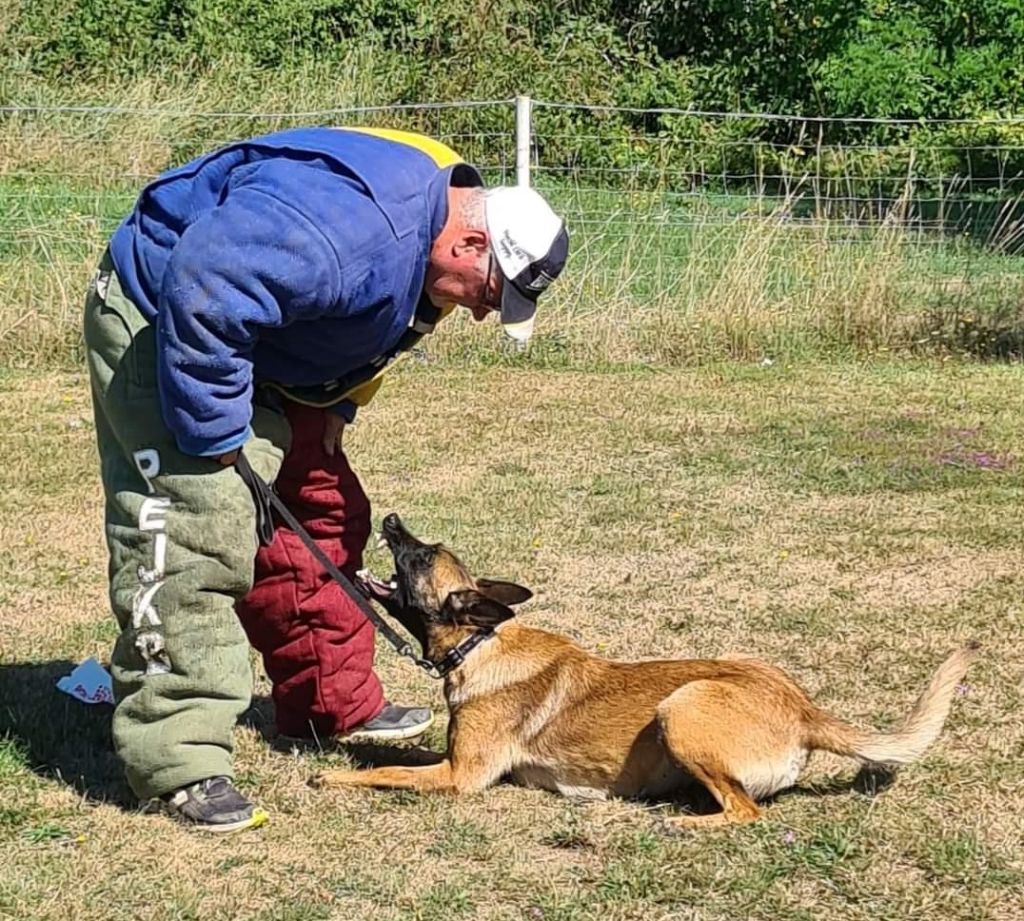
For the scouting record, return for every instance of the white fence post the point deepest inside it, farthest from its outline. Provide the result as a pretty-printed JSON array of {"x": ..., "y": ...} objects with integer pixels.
[{"x": 523, "y": 140}]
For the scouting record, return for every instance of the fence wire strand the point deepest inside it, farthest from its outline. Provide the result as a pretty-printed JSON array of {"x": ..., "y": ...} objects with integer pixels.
[{"x": 628, "y": 180}]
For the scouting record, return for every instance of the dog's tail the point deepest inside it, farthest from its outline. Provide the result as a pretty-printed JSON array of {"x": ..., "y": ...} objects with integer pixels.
[{"x": 920, "y": 729}]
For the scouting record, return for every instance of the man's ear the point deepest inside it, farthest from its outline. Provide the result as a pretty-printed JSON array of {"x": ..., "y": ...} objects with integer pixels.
[
  {"x": 471, "y": 608},
  {"x": 469, "y": 240},
  {"x": 503, "y": 592}
]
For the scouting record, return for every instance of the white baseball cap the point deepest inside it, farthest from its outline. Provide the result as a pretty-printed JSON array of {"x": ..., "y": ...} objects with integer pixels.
[{"x": 530, "y": 244}]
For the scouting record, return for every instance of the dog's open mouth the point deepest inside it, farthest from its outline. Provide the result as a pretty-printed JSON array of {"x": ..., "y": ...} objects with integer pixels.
[{"x": 375, "y": 588}]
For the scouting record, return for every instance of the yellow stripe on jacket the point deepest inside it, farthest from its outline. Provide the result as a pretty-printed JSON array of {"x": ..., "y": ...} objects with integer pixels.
[{"x": 440, "y": 153}]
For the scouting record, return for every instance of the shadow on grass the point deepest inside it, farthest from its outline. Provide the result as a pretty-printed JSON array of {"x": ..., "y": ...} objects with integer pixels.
[
  {"x": 71, "y": 742},
  {"x": 868, "y": 781},
  {"x": 64, "y": 739},
  {"x": 260, "y": 717},
  {"x": 696, "y": 800}
]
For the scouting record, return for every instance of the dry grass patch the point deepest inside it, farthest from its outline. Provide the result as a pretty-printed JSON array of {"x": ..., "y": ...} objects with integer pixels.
[{"x": 802, "y": 514}]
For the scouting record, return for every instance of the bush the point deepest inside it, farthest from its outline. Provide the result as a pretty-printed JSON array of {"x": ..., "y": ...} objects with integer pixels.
[{"x": 914, "y": 59}]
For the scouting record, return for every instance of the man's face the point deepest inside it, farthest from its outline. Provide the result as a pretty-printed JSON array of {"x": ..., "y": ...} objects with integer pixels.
[{"x": 466, "y": 273}]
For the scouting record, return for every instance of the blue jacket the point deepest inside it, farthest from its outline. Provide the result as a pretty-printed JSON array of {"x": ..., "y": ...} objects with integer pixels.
[{"x": 297, "y": 257}]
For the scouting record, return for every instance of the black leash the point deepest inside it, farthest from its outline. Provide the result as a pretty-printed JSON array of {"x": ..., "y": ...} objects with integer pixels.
[{"x": 266, "y": 498}]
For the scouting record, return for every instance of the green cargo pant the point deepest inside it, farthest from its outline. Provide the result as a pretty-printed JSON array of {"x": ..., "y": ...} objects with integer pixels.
[{"x": 181, "y": 533}]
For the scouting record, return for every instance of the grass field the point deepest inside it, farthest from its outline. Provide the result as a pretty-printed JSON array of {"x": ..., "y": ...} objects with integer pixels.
[
  {"x": 726, "y": 438},
  {"x": 853, "y": 521},
  {"x": 656, "y": 279}
]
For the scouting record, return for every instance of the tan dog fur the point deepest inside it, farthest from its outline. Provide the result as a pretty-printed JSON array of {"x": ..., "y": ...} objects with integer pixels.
[{"x": 533, "y": 705}]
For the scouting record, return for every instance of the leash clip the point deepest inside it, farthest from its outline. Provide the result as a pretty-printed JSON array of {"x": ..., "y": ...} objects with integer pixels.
[{"x": 431, "y": 668}]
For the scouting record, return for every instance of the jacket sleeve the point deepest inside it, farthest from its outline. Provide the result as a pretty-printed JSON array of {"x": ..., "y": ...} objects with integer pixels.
[{"x": 253, "y": 262}]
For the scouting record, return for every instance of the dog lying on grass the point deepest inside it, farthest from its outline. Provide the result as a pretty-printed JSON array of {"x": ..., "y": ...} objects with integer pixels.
[{"x": 533, "y": 706}]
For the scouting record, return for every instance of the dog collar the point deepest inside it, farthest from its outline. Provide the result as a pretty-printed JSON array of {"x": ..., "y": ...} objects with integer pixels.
[{"x": 453, "y": 658}]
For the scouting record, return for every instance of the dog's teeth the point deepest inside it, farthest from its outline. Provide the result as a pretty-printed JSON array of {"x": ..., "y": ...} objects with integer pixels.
[
  {"x": 363, "y": 574},
  {"x": 393, "y": 585},
  {"x": 381, "y": 542}
]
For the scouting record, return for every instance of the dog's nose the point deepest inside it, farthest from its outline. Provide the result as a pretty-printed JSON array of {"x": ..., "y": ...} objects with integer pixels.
[{"x": 391, "y": 522}]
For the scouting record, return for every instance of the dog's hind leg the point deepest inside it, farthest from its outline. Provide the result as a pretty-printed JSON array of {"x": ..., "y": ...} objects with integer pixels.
[
  {"x": 737, "y": 806},
  {"x": 694, "y": 723}
]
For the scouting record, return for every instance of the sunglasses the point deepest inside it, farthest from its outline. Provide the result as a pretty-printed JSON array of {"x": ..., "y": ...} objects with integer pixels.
[{"x": 491, "y": 302}]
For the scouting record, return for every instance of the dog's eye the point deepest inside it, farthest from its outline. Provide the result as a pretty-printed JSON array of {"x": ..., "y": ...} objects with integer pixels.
[{"x": 424, "y": 559}]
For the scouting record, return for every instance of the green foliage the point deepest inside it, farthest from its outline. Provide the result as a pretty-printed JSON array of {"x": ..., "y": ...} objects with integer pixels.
[
  {"x": 752, "y": 53},
  {"x": 929, "y": 59},
  {"x": 877, "y": 58},
  {"x": 890, "y": 69},
  {"x": 459, "y": 49},
  {"x": 911, "y": 59}
]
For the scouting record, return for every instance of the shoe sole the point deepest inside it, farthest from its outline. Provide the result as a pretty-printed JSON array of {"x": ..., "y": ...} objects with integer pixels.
[
  {"x": 258, "y": 819},
  {"x": 387, "y": 735}
]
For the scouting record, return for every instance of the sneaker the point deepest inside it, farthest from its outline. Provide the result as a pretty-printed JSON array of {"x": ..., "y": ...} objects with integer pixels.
[
  {"x": 213, "y": 805},
  {"x": 392, "y": 724}
]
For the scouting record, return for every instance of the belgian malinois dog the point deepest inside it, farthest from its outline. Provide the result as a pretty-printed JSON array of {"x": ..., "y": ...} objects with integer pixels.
[{"x": 534, "y": 706}]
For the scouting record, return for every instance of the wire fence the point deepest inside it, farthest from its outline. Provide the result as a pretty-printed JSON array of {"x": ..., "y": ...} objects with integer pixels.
[
  {"x": 644, "y": 192},
  {"x": 945, "y": 177}
]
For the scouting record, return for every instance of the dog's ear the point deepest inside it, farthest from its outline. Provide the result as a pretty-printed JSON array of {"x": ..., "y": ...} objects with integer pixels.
[
  {"x": 472, "y": 608},
  {"x": 503, "y": 592}
]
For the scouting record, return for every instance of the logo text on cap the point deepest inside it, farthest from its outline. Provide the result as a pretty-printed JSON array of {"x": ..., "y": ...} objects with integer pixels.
[
  {"x": 540, "y": 282},
  {"x": 510, "y": 247}
]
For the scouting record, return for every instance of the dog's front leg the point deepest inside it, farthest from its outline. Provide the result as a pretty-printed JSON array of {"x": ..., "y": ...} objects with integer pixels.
[
  {"x": 469, "y": 768},
  {"x": 422, "y": 777}
]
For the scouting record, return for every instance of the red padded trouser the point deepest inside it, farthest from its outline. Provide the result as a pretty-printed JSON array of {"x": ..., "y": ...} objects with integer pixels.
[{"x": 317, "y": 647}]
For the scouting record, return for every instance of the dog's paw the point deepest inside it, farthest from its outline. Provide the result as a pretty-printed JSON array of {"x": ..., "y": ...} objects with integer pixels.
[
  {"x": 676, "y": 825},
  {"x": 332, "y": 779}
]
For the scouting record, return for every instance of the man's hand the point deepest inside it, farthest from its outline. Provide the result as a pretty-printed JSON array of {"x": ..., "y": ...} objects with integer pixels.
[
  {"x": 334, "y": 426},
  {"x": 227, "y": 460}
]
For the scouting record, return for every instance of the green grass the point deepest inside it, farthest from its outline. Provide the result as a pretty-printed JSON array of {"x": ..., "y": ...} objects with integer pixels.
[
  {"x": 843, "y": 519},
  {"x": 656, "y": 276}
]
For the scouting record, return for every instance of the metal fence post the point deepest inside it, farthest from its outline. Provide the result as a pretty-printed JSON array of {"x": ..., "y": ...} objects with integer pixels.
[{"x": 523, "y": 140}]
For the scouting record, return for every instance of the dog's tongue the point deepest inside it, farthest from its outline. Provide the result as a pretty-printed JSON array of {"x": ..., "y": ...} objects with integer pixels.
[{"x": 373, "y": 587}]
